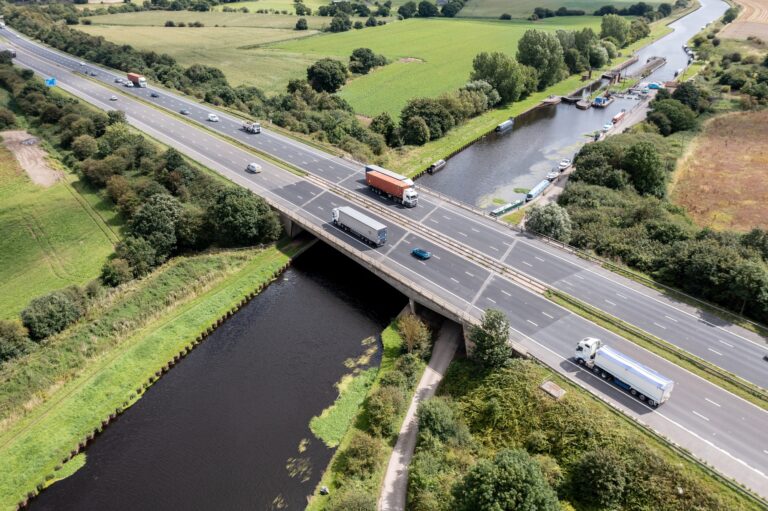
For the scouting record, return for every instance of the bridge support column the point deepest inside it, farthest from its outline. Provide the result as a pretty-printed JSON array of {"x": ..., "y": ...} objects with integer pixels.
[
  {"x": 412, "y": 305},
  {"x": 291, "y": 228}
]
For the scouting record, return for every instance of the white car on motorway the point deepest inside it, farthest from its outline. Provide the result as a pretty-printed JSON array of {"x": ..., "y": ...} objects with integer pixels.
[
  {"x": 213, "y": 117},
  {"x": 253, "y": 168},
  {"x": 113, "y": 98}
]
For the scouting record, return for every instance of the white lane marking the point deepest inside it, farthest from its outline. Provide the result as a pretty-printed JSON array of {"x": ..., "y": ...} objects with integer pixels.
[
  {"x": 490, "y": 300},
  {"x": 527, "y": 263},
  {"x": 320, "y": 207},
  {"x": 609, "y": 302},
  {"x": 494, "y": 248},
  {"x": 436, "y": 256},
  {"x": 621, "y": 296},
  {"x": 462, "y": 233},
  {"x": 446, "y": 217},
  {"x": 579, "y": 277},
  {"x": 566, "y": 283},
  {"x": 671, "y": 319},
  {"x": 707, "y": 399},
  {"x": 469, "y": 274},
  {"x": 506, "y": 293},
  {"x": 539, "y": 258},
  {"x": 433, "y": 221},
  {"x": 548, "y": 315},
  {"x": 475, "y": 230},
  {"x": 700, "y": 415},
  {"x": 300, "y": 197},
  {"x": 507, "y": 243},
  {"x": 660, "y": 326},
  {"x": 456, "y": 281},
  {"x": 406, "y": 241},
  {"x": 715, "y": 352},
  {"x": 531, "y": 322},
  {"x": 727, "y": 344}
]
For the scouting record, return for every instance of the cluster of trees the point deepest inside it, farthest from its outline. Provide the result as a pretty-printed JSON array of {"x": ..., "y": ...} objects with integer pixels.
[
  {"x": 542, "y": 12},
  {"x": 746, "y": 76},
  {"x": 643, "y": 9},
  {"x": 427, "y": 9},
  {"x": 171, "y": 24},
  {"x": 494, "y": 441},
  {"x": 341, "y": 12},
  {"x": 583, "y": 49},
  {"x": 621, "y": 31}
]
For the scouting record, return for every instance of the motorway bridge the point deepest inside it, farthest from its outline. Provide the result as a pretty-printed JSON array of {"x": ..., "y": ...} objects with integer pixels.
[{"x": 478, "y": 263}]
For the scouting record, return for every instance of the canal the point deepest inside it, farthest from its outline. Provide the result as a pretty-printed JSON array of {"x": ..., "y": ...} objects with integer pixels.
[
  {"x": 227, "y": 428},
  {"x": 502, "y": 167}
]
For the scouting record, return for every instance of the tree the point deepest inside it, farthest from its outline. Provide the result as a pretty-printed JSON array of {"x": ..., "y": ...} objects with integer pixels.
[
  {"x": 638, "y": 29},
  {"x": 551, "y": 220},
  {"x": 438, "y": 119},
  {"x": 353, "y": 497},
  {"x": 301, "y": 9},
  {"x": 7, "y": 119},
  {"x": 511, "y": 481},
  {"x": 156, "y": 222},
  {"x": 115, "y": 272},
  {"x": 437, "y": 417},
  {"x": 452, "y": 8},
  {"x": 415, "y": 333},
  {"x": 370, "y": 22},
  {"x": 679, "y": 116},
  {"x": 327, "y": 75},
  {"x": 243, "y": 219},
  {"x": 491, "y": 340},
  {"x": 598, "y": 56},
  {"x": 542, "y": 51},
  {"x": 84, "y": 146},
  {"x": 360, "y": 458},
  {"x": 385, "y": 126},
  {"x": 340, "y": 23},
  {"x": 13, "y": 340},
  {"x": 407, "y": 10},
  {"x": 730, "y": 14},
  {"x": 645, "y": 168},
  {"x": 599, "y": 478},
  {"x": 115, "y": 117},
  {"x": 427, "y": 9},
  {"x": 384, "y": 407},
  {"x": 363, "y": 60},
  {"x": 616, "y": 27},
  {"x": 502, "y": 72},
  {"x": 688, "y": 94},
  {"x": 358, "y": 25},
  {"x": 138, "y": 253},
  {"x": 664, "y": 9},
  {"x": 301, "y": 24},
  {"x": 415, "y": 131},
  {"x": 50, "y": 314}
]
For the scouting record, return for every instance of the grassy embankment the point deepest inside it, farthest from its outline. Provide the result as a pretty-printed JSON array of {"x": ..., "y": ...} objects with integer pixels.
[
  {"x": 350, "y": 419},
  {"x": 506, "y": 409},
  {"x": 49, "y": 237},
  {"x": 53, "y": 398}
]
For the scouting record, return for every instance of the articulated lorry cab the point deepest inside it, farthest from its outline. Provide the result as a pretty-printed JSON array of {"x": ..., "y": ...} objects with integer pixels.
[
  {"x": 391, "y": 184},
  {"x": 137, "y": 80},
  {"x": 611, "y": 365}
]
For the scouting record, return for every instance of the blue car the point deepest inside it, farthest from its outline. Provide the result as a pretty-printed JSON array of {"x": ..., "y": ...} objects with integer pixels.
[{"x": 420, "y": 253}]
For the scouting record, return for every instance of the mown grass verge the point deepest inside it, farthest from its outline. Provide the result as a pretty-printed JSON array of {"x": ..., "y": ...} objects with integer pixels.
[
  {"x": 709, "y": 372},
  {"x": 57, "y": 398}
]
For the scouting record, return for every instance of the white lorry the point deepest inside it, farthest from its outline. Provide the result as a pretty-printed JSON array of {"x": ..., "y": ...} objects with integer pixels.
[
  {"x": 632, "y": 376},
  {"x": 362, "y": 226},
  {"x": 251, "y": 127}
]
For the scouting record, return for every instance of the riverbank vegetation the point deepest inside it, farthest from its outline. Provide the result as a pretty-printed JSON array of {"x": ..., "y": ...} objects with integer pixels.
[
  {"x": 53, "y": 397},
  {"x": 353, "y": 477}
]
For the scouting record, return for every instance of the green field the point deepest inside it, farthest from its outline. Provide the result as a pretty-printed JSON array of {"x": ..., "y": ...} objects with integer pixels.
[
  {"x": 233, "y": 46},
  {"x": 524, "y": 8},
  {"x": 444, "y": 49},
  {"x": 49, "y": 237}
]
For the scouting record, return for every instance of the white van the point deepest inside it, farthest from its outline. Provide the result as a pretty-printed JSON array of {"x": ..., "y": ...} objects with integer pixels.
[{"x": 213, "y": 117}]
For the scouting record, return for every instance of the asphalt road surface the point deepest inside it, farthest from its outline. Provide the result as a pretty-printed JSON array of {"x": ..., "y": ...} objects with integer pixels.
[{"x": 718, "y": 427}]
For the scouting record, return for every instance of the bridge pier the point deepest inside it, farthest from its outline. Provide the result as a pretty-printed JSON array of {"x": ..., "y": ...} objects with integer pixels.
[{"x": 292, "y": 229}]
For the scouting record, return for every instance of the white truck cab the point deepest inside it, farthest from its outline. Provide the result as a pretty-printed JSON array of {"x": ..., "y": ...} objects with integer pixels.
[{"x": 586, "y": 349}]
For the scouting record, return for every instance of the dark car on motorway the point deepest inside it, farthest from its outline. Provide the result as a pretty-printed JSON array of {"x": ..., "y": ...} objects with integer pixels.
[
  {"x": 184, "y": 111},
  {"x": 420, "y": 253},
  {"x": 154, "y": 95}
]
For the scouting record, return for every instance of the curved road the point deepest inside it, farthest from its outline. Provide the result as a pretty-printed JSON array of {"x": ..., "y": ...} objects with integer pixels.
[{"x": 716, "y": 426}]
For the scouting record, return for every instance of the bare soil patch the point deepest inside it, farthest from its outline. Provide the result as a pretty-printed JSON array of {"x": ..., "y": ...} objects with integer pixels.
[
  {"x": 752, "y": 21},
  {"x": 723, "y": 180},
  {"x": 32, "y": 158},
  {"x": 408, "y": 60}
]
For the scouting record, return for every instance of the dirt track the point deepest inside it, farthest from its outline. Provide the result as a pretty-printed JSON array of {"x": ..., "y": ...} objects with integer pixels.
[
  {"x": 31, "y": 157},
  {"x": 752, "y": 21}
]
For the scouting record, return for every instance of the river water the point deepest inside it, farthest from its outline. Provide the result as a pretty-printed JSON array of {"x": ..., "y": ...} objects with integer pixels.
[
  {"x": 229, "y": 424},
  {"x": 496, "y": 165}
]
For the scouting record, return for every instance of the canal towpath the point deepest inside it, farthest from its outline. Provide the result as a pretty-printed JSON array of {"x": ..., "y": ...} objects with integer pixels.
[{"x": 394, "y": 488}]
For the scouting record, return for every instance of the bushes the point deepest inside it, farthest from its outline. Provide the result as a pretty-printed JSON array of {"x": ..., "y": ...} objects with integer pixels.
[
  {"x": 327, "y": 75},
  {"x": 670, "y": 115},
  {"x": 437, "y": 418},
  {"x": 416, "y": 335},
  {"x": 550, "y": 220},
  {"x": 242, "y": 218},
  {"x": 14, "y": 341},
  {"x": 360, "y": 457},
  {"x": 599, "y": 477},
  {"x": 384, "y": 408},
  {"x": 7, "y": 119},
  {"x": 52, "y": 313},
  {"x": 363, "y": 60}
]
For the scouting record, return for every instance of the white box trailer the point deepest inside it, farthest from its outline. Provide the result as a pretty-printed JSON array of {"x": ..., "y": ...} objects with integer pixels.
[
  {"x": 364, "y": 227},
  {"x": 629, "y": 374}
]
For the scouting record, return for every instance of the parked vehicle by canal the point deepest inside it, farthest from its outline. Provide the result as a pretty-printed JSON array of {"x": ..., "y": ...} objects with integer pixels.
[
  {"x": 400, "y": 189},
  {"x": 552, "y": 175},
  {"x": 564, "y": 164},
  {"x": 607, "y": 127},
  {"x": 506, "y": 208},
  {"x": 537, "y": 190},
  {"x": 435, "y": 167},
  {"x": 505, "y": 126},
  {"x": 629, "y": 374},
  {"x": 360, "y": 225},
  {"x": 619, "y": 116}
]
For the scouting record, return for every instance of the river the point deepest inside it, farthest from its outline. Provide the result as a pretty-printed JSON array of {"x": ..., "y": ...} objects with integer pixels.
[
  {"x": 500, "y": 166},
  {"x": 224, "y": 428}
]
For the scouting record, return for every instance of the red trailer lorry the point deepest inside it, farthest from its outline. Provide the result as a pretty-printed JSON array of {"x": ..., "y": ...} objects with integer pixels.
[
  {"x": 395, "y": 189},
  {"x": 137, "y": 80}
]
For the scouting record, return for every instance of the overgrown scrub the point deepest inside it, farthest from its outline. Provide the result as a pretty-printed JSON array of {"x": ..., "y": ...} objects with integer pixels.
[{"x": 572, "y": 441}]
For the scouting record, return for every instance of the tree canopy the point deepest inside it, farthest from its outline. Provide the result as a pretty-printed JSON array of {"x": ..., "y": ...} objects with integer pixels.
[{"x": 491, "y": 340}]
